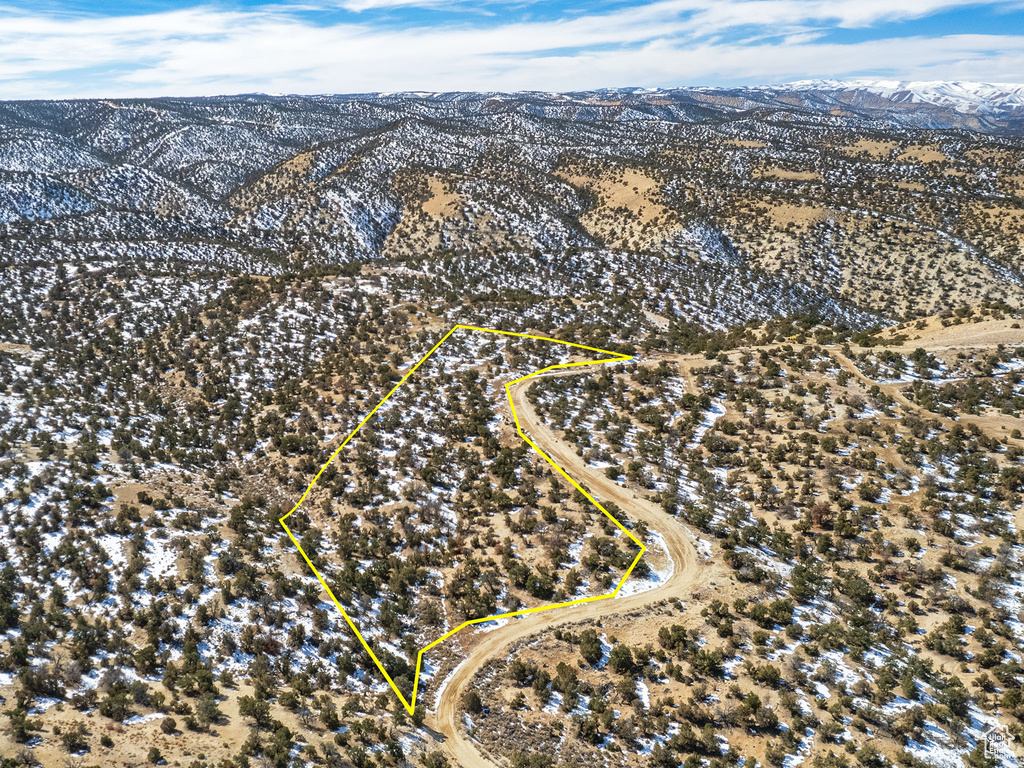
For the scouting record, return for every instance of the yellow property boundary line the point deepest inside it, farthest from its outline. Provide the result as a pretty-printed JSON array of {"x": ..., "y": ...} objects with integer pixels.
[{"x": 616, "y": 357}]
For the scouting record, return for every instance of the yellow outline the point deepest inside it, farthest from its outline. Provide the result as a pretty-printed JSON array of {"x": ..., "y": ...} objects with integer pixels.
[{"x": 616, "y": 357}]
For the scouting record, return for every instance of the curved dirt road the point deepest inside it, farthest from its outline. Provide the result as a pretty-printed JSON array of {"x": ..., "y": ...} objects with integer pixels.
[{"x": 687, "y": 575}]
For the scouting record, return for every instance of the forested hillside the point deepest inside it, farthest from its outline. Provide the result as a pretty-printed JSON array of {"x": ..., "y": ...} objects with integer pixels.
[{"x": 818, "y": 438}]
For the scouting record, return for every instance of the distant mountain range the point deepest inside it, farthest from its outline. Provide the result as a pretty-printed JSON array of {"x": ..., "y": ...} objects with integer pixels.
[
  {"x": 935, "y": 104},
  {"x": 815, "y": 183},
  {"x": 984, "y": 98},
  {"x": 985, "y": 107}
]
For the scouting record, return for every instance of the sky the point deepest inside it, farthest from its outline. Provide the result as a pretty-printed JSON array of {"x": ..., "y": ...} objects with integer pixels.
[{"x": 101, "y": 48}]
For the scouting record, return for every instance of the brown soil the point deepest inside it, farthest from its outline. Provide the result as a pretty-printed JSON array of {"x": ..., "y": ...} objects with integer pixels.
[
  {"x": 878, "y": 150},
  {"x": 923, "y": 153}
]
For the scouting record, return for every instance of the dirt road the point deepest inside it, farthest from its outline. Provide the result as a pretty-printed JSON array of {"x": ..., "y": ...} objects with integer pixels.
[
  {"x": 994, "y": 424},
  {"x": 893, "y": 389},
  {"x": 687, "y": 576}
]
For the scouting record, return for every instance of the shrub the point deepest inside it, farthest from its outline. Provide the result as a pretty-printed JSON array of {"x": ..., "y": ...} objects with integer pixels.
[
  {"x": 472, "y": 703},
  {"x": 73, "y": 738},
  {"x": 868, "y": 491},
  {"x": 590, "y": 647},
  {"x": 435, "y": 760},
  {"x": 621, "y": 659}
]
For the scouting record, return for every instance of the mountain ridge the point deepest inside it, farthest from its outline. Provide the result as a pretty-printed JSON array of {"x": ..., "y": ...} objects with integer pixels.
[
  {"x": 792, "y": 185},
  {"x": 991, "y": 99}
]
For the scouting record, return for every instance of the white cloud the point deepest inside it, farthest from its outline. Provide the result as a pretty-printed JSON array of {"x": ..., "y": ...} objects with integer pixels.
[
  {"x": 358, "y": 6},
  {"x": 203, "y": 50}
]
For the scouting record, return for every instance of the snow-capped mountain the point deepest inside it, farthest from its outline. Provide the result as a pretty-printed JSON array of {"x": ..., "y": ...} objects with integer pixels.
[{"x": 961, "y": 96}]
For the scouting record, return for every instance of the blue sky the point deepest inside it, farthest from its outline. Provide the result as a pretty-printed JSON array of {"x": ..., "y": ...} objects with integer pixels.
[{"x": 74, "y": 48}]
